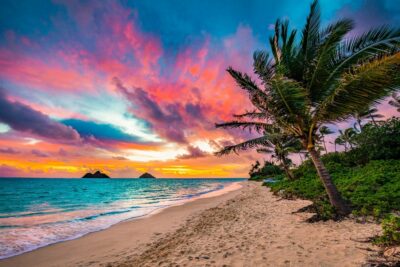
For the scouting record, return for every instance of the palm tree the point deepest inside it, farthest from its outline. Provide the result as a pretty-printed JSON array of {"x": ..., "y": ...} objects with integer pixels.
[
  {"x": 280, "y": 146},
  {"x": 321, "y": 78},
  {"x": 369, "y": 113},
  {"x": 347, "y": 137},
  {"x": 395, "y": 102},
  {"x": 254, "y": 168},
  {"x": 324, "y": 130},
  {"x": 338, "y": 141},
  {"x": 273, "y": 142}
]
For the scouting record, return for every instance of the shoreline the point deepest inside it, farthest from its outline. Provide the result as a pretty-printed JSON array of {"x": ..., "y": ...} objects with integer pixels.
[
  {"x": 246, "y": 227},
  {"x": 53, "y": 255}
]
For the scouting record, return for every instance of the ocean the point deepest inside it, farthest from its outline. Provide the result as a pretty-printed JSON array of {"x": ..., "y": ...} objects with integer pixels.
[{"x": 38, "y": 212}]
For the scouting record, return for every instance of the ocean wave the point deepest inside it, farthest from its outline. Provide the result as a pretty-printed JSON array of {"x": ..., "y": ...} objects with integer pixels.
[{"x": 44, "y": 224}]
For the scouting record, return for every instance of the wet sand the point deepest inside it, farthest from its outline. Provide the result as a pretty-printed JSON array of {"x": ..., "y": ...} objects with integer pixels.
[{"x": 246, "y": 227}]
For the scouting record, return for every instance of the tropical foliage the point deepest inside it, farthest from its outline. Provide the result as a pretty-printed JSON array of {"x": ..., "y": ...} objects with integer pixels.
[
  {"x": 273, "y": 141},
  {"x": 376, "y": 142},
  {"x": 368, "y": 176},
  {"x": 391, "y": 231},
  {"x": 346, "y": 138},
  {"x": 372, "y": 190},
  {"x": 323, "y": 77},
  {"x": 370, "y": 113},
  {"x": 269, "y": 170},
  {"x": 323, "y": 131},
  {"x": 395, "y": 102}
]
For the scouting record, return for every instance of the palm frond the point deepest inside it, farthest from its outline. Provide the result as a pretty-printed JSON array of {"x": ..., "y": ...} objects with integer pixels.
[
  {"x": 249, "y": 144},
  {"x": 366, "y": 85},
  {"x": 265, "y": 151},
  {"x": 244, "y": 81},
  {"x": 287, "y": 45},
  {"x": 310, "y": 34},
  {"x": 274, "y": 42},
  {"x": 395, "y": 101},
  {"x": 263, "y": 66},
  {"x": 324, "y": 130},
  {"x": 250, "y": 125},
  {"x": 252, "y": 115},
  {"x": 381, "y": 41},
  {"x": 326, "y": 51},
  {"x": 287, "y": 98}
]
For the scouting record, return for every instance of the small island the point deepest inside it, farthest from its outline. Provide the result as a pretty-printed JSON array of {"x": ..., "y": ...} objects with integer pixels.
[
  {"x": 97, "y": 174},
  {"x": 147, "y": 175}
]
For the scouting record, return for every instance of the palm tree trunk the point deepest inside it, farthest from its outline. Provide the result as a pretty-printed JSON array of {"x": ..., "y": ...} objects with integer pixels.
[
  {"x": 373, "y": 120},
  {"x": 323, "y": 140},
  {"x": 334, "y": 195},
  {"x": 288, "y": 172}
]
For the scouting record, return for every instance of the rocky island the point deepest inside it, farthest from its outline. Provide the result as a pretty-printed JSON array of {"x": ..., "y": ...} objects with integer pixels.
[
  {"x": 97, "y": 174},
  {"x": 147, "y": 175}
]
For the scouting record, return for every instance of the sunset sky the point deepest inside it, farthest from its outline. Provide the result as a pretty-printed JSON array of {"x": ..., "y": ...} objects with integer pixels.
[{"x": 133, "y": 86}]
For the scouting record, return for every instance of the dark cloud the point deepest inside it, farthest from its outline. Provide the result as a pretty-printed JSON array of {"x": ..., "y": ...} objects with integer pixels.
[
  {"x": 39, "y": 153},
  {"x": 9, "y": 150},
  {"x": 120, "y": 158},
  {"x": 23, "y": 118},
  {"x": 194, "y": 110},
  {"x": 171, "y": 121},
  {"x": 194, "y": 152},
  {"x": 168, "y": 122}
]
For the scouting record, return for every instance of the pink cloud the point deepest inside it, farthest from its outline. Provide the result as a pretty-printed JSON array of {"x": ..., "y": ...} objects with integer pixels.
[{"x": 31, "y": 71}]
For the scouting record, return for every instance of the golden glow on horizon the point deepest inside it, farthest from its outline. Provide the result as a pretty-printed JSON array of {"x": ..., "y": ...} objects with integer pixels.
[
  {"x": 44, "y": 167},
  {"x": 169, "y": 152}
]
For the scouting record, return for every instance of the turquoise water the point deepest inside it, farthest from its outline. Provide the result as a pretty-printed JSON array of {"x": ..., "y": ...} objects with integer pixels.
[{"x": 38, "y": 212}]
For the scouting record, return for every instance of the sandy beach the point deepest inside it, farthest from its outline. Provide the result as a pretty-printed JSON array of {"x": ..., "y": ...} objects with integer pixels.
[{"x": 246, "y": 227}]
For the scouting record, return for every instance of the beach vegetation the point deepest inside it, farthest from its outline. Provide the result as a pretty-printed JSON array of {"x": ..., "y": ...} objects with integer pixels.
[
  {"x": 395, "y": 101},
  {"x": 373, "y": 189},
  {"x": 268, "y": 170},
  {"x": 390, "y": 232},
  {"x": 324, "y": 131},
  {"x": 367, "y": 114},
  {"x": 273, "y": 141},
  {"x": 368, "y": 176},
  {"x": 324, "y": 77}
]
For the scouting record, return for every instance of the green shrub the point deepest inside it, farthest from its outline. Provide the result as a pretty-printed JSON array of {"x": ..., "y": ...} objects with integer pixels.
[
  {"x": 269, "y": 169},
  {"x": 367, "y": 176},
  {"x": 377, "y": 142},
  {"x": 391, "y": 231},
  {"x": 372, "y": 190},
  {"x": 257, "y": 178}
]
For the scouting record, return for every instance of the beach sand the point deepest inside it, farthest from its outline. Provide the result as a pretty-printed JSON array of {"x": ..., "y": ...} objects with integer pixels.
[{"x": 246, "y": 227}]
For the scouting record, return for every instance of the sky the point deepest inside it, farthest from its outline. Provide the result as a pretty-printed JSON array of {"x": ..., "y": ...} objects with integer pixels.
[{"x": 133, "y": 86}]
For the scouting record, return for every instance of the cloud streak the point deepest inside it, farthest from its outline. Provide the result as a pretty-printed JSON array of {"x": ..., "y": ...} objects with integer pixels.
[
  {"x": 193, "y": 153},
  {"x": 59, "y": 63},
  {"x": 23, "y": 118}
]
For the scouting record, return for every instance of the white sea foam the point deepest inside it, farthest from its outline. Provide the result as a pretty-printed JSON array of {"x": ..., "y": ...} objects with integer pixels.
[{"x": 19, "y": 234}]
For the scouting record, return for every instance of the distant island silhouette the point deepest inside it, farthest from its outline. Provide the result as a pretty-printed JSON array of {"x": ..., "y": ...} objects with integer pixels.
[
  {"x": 147, "y": 175},
  {"x": 97, "y": 174}
]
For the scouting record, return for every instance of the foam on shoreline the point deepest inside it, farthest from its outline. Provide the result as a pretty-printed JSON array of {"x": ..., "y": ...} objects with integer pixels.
[{"x": 33, "y": 239}]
